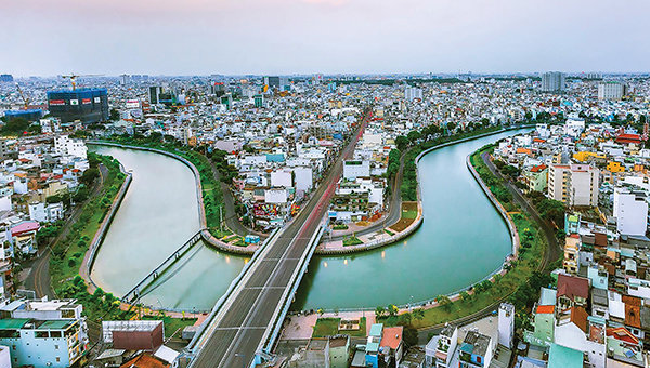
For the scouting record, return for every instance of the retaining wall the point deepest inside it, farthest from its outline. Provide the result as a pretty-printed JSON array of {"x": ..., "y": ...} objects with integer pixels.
[
  {"x": 98, "y": 239},
  {"x": 413, "y": 227},
  {"x": 209, "y": 238}
]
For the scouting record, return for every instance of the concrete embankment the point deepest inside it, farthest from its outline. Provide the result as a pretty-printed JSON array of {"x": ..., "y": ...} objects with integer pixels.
[
  {"x": 512, "y": 228},
  {"x": 383, "y": 239},
  {"x": 91, "y": 254},
  {"x": 207, "y": 236}
]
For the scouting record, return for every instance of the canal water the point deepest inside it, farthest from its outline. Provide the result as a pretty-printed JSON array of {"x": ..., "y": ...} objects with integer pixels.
[
  {"x": 158, "y": 214},
  {"x": 462, "y": 240}
]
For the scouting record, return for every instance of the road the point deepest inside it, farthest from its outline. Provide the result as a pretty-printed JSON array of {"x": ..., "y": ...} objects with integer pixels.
[
  {"x": 239, "y": 332},
  {"x": 394, "y": 207},
  {"x": 38, "y": 278},
  {"x": 230, "y": 215}
]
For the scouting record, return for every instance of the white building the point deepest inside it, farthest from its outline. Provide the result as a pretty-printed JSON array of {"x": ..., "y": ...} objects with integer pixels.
[
  {"x": 506, "y": 321},
  {"x": 611, "y": 91},
  {"x": 354, "y": 169},
  {"x": 553, "y": 82},
  {"x": 574, "y": 184},
  {"x": 64, "y": 145},
  {"x": 45, "y": 212},
  {"x": 631, "y": 211}
]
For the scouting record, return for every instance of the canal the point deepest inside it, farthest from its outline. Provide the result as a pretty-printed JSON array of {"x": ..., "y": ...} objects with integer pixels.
[
  {"x": 158, "y": 214},
  {"x": 462, "y": 240}
]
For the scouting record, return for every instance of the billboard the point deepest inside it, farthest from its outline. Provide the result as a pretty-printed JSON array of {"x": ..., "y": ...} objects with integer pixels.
[
  {"x": 86, "y": 101},
  {"x": 74, "y": 102},
  {"x": 58, "y": 102},
  {"x": 265, "y": 209}
]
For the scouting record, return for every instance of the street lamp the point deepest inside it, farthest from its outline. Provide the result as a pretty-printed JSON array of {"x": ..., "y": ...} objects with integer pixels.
[{"x": 243, "y": 359}]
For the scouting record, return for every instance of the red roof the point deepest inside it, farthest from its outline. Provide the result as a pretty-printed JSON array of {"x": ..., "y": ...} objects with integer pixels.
[
  {"x": 545, "y": 309},
  {"x": 392, "y": 337},
  {"x": 539, "y": 168},
  {"x": 24, "y": 227},
  {"x": 628, "y": 138},
  {"x": 622, "y": 334},
  {"x": 572, "y": 286}
]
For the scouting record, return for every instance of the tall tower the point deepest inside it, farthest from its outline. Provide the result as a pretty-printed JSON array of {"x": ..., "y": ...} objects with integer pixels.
[{"x": 506, "y": 324}]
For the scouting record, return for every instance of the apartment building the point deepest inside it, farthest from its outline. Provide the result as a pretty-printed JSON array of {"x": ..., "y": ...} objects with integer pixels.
[{"x": 574, "y": 184}]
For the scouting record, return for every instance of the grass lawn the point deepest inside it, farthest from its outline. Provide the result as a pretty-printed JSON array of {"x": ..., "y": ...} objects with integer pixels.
[
  {"x": 341, "y": 227},
  {"x": 326, "y": 327},
  {"x": 231, "y": 238},
  {"x": 351, "y": 240},
  {"x": 173, "y": 324},
  {"x": 330, "y": 326}
]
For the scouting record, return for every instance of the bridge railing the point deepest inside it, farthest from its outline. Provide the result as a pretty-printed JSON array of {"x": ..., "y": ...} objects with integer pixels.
[
  {"x": 272, "y": 331},
  {"x": 190, "y": 349},
  {"x": 136, "y": 291}
]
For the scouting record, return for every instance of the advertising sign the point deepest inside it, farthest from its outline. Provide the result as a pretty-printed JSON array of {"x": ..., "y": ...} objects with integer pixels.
[
  {"x": 85, "y": 101},
  {"x": 74, "y": 102},
  {"x": 57, "y": 102},
  {"x": 98, "y": 99}
]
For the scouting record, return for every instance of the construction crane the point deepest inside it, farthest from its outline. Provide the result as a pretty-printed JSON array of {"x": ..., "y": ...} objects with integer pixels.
[
  {"x": 73, "y": 78},
  {"x": 22, "y": 94}
]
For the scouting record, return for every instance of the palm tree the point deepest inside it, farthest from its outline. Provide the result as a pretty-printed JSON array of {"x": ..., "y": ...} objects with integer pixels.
[{"x": 379, "y": 311}]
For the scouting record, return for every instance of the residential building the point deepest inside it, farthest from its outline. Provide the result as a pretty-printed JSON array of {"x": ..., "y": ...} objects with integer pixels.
[{"x": 574, "y": 184}]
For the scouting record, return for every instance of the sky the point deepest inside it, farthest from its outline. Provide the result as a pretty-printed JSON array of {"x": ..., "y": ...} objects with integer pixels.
[{"x": 236, "y": 37}]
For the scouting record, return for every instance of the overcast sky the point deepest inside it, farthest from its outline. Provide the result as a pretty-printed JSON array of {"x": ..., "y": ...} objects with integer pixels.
[{"x": 201, "y": 37}]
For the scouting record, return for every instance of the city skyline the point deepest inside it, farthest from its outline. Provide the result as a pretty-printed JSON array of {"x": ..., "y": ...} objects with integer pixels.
[{"x": 321, "y": 36}]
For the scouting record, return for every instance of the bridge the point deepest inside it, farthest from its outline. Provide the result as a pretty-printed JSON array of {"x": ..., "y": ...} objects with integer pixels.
[
  {"x": 242, "y": 327},
  {"x": 133, "y": 295}
]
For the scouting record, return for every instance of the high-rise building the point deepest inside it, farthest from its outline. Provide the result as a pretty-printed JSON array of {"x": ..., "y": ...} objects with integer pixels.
[
  {"x": 272, "y": 82},
  {"x": 574, "y": 184},
  {"x": 506, "y": 322},
  {"x": 553, "y": 82},
  {"x": 86, "y": 105},
  {"x": 29, "y": 114},
  {"x": 6, "y": 78},
  {"x": 631, "y": 211},
  {"x": 611, "y": 91},
  {"x": 411, "y": 93},
  {"x": 154, "y": 93},
  {"x": 124, "y": 80}
]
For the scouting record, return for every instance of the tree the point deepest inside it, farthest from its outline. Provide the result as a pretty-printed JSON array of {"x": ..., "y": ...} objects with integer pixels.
[
  {"x": 89, "y": 176},
  {"x": 393, "y": 310},
  {"x": 464, "y": 296},
  {"x": 418, "y": 313},
  {"x": 410, "y": 336},
  {"x": 114, "y": 115},
  {"x": 15, "y": 126},
  {"x": 413, "y": 136},
  {"x": 444, "y": 302},
  {"x": 401, "y": 142},
  {"x": 451, "y": 126},
  {"x": 379, "y": 311}
]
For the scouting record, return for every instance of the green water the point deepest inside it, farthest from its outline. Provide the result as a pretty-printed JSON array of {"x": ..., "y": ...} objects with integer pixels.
[
  {"x": 462, "y": 240},
  {"x": 158, "y": 214}
]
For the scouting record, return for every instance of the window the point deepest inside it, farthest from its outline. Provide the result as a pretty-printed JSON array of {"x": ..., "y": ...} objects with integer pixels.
[{"x": 58, "y": 359}]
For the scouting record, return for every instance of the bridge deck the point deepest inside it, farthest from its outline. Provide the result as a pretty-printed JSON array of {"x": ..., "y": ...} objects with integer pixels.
[{"x": 234, "y": 338}]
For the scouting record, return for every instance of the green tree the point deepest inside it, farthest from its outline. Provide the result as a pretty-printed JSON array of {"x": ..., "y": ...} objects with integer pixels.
[
  {"x": 89, "y": 176},
  {"x": 15, "y": 126},
  {"x": 401, "y": 142}
]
